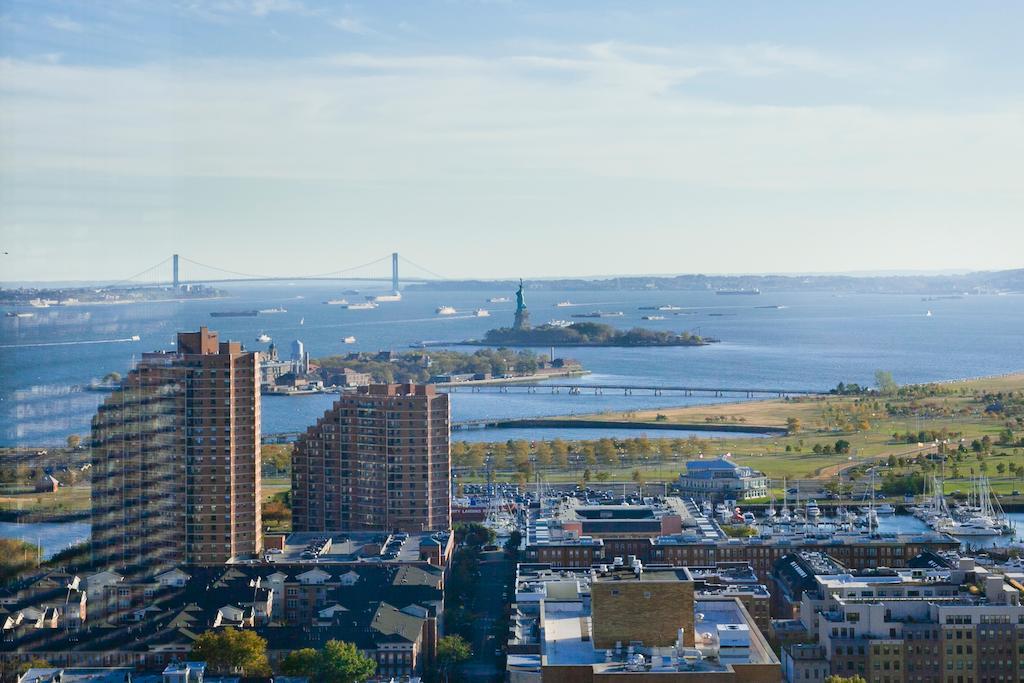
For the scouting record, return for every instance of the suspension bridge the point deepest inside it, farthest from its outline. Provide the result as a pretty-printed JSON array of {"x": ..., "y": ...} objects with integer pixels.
[{"x": 210, "y": 275}]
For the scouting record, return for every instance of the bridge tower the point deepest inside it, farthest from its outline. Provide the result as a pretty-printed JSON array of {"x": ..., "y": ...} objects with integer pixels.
[
  {"x": 394, "y": 271},
  {"x": 175, "y": 271}
]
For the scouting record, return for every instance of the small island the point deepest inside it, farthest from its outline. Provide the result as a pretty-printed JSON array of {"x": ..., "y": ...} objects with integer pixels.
[{"x": 580, "y": 334}]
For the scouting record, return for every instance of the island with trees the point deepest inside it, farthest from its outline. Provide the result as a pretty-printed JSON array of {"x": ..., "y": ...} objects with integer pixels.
[
  {"x": 428, "y": 366},
  {"x": 588, "y": 334}
]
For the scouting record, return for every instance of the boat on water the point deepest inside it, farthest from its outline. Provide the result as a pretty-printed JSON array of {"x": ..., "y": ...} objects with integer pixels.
[
  {"x": 564, "y": 304},
  {"x": 263, "y": 338},
  {"x": 748, "y": 518},
  {"x": 20, "y": 314},
  {"x": 928, "y": 314},
  {"x": 264, "y": 311},
  {"x": 302, "y": 321},
  {"x": 652, "y": 317},
  {"x": 445, "y": 310},
  {"x": 365, "y": 306},
  {"x": 498, "y": 300},
  {"x": 42, "y": 303},
  {"x": 136, "y": 337},
  {"x": 385, "y": 298},
  {"x": 336, "y": 302},
  {"x": 252, "y": 313},
  {"x": 738, "y": 292},
  {"x": 349, "y": 339},
  {"x": 669, "y": 307},
  {"x": 558, "y": 323},
  {"x": 813, "y": 511},
  {"x": 599, "y": 314},
  {"x": 482, "y": 313},
  {"x": 886, "y": 509}
]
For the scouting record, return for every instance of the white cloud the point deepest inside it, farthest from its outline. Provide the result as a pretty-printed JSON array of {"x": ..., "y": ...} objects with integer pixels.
[{"x": 64, "y": 23}]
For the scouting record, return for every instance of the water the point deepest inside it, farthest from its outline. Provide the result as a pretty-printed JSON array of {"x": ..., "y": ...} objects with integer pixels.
[
  {"x": 816, "y": 341},
  {"x": 51, "y": 537}
]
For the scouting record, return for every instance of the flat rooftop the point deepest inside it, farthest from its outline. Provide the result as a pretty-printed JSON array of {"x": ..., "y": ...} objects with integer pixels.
[
  {"x": 649, "y": 573},
  {"x": 353, "y": 546}
]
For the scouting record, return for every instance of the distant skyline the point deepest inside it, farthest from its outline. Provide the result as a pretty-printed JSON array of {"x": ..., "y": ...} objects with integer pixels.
[{"x": 498, "y": 139}]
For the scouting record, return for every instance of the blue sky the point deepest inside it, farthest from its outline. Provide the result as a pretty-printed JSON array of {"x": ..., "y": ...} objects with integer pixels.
[{"x": 510, "y": 138}]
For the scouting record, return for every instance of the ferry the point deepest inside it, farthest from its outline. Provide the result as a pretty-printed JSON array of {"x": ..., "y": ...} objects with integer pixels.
[
  {"x": 263, "y": 338},
  {"x": 367, "y": 306},
  {"x": 482, "y": 313},
  {"x": 385, "y": 298},
  {"x": 42, "y": 303},
  {"x": 273, "y": 310},
  {"x": 349, "y": 340},
  {"x": 336, "y": 302},
  {"x": 498, "y": 300},
  {"x": 445, "y": 310},
  {"x": 564, "y": 304},
  {"x": 12, "y": 314},
  {"x": 652, "y": 317}
]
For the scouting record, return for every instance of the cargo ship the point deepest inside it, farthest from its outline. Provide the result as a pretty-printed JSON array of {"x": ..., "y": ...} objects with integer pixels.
[
  {"x": 252, "y": 313},
  {"x": 738, "y": 292}
]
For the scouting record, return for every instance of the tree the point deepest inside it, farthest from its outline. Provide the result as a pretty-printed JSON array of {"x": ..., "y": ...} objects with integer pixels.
[
  {"x": 792, "y": 425},
  {"x": 543, "y": 452},
  {"x": 338, "y": 662},
  {"x": 451, "y": 651},
  {"x": 560, "y": 454},
  {"x": 74, "y": 440},
  {"x": 474, "y": 533},
  {"x": 885, "y": 383},
  {"x": 232, "y": 651},
  {"x": 845, "y": 679},
  {"x": 842, "y": 446}
]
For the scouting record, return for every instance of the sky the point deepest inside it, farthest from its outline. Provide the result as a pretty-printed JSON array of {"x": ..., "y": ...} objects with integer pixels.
[{"x": 507, "y": 139}]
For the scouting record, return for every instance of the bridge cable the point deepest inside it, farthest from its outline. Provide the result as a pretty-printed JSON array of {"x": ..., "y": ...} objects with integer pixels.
[
  {"x": 348, "y": 270},
  {"x": 143, "y": 272},
  {"x": 425, "y": 270},
  {"x": 224, "y": 270}
]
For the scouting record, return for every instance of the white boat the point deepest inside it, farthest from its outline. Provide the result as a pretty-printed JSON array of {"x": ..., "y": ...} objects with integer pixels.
[
  {"x": 749, "y": 518},
  {"x": 928, "y": 314},
  {"x": 669, "y": 308},
  {"x": 263, "y": 338},
  {"x": 482, "y": 313},
  {"x": 445, "y": 310},
  {"x": 366, "y": 306},
  {"x": 563, "y": 304},
  {"x": 302, "y": 321},
  {"x": 498, "y": 300},
  {"x": 12, "y": 314},
  {"x": 653, "y": 317},
  {"x": 349, "y": 339},
  {"x": 813, "y": 511},
  {"x": 886, "y": 509},
  {"x": 558, "y": 323},
  {"x": 336, "y": 302},
  {"x": 264, "y": 311},
  {"x": 977, "y": 526},
  {"x": 385, "y": 298},
  {"x": 136, "y": 337}
]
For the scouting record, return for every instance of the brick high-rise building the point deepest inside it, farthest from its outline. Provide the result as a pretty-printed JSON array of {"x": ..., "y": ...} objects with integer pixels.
[
  {"x": 176, "y": 458},
  {"x": 379, "y": 459}
]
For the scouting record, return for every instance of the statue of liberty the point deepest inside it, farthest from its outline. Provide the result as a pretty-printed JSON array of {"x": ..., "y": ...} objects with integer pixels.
[{"x": 522, "y": 321}]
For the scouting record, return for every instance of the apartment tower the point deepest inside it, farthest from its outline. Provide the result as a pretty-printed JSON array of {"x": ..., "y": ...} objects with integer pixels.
[
  {"x": 176, "y": 458},
  {"x": 379, "y": 460}
]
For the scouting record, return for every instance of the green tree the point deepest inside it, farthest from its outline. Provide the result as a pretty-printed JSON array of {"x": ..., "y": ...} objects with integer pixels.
[
  {"x": 337, "y": 662},
  {"x": 74, "y": 440},
  {"x": 232, "y": 651},
  {"x": 885, "y": 383},
  {"x": 451, "y": 651},
  {"x": 792, "y": 425},
  {"x": 560, "y": 454},
  {"x": 845, "y": 679}
]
